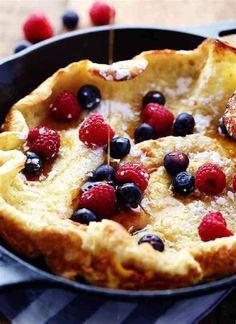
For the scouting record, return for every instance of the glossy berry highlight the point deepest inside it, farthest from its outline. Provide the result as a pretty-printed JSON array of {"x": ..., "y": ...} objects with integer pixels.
[
  {"x": 89, "y": 97},
  {"x": 128, "y": 195},
  {"x": 183, "y": 183},
  {"x": 33, "y": 163},
  {"x": 175, "y": 162},
  {"x": 154, "y": 97},
  {"x": 144, "y": 132},
  {"x": 119, "y": 147},
  {"x": 154, "y": 240},
  {"x": 183, "y": 125},
  {"x": 83, "y": 216}
]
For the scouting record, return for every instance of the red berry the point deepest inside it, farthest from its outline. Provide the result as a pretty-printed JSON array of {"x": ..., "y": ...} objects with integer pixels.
[
  {"x": 37, "y": 28},
  {"x": 210, "y": 179},
  {"x": 213, "y": 225},
  {"x": 100, "y": 199},
  {"x": 234, "y": 183},
  {"x": 159, "y": 117},
  {"x": 95, "y": 132},
  {"x": 44, "y": 141},
  {"x": 133, "y": 172},
  {"x": 101, "y": 13},
  {"x": 65, "y": 107}
]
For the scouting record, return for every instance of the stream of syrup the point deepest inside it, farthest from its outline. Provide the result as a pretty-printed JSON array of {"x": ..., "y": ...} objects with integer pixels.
[{"x": 110, "y": 61}]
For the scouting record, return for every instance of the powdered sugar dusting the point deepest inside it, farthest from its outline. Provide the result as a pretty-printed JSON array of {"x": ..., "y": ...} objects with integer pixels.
[
  {"x": 125, "y": 70},
  {"x": 220, "y": 201},
  {"x": 197, "y": 209},
  {"x": 202, "y": 122},
  {"x": 182, "y": 87},
  {"x": 210, "y": 156},
  {"x": 145, "y": 203},
  {"x": 230, "y": 194},
  {"x": 116, "y": 107},
  {"x": 136, "y": 152}
]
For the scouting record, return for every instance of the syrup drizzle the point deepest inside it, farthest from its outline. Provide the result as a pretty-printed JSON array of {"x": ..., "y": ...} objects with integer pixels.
[{"x": 110, "y": 61}]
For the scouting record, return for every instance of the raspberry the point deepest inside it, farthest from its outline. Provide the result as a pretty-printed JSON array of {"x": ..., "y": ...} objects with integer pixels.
[
  {"x": 133, "y": 172},
  {"x": 100, "y": 199},
  {"x": 210, "y": 179},
  {"x": 159, "y": 117},
  {"x": 95, "y": 132},
  {"x": 65, "y": 107},
  {"x": 213, "y": 225},
  {"x": 101, "y": 13},
  {"x": 234, "y": 183},
  {"x": 44, "y": 141},
  {"x": 37, "y": 28}
]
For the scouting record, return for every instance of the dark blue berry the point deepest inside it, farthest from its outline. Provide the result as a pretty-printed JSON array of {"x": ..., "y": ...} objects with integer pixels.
[
  {"x": 154, "y": 97},
  {"x": 20, "y": 46},
  {"x": 128, "y": 195},
  {"x": 175, "y": 162},
  {"x": 33, "y": 163},
  {"x": 119, "y": 147},
  {"x": 89, "y": 97},
  {"x": 144, "y": 132},
  {"x": 90, "y": 184},
  {"x": 222, "y": 128},
  {"x": 184, "y": 183},
  {"x": 104, "y": 172},
  {"x": 70, "y": 19},
  {"x": 183, "y": 124},
  {"x": 154, "y": 240},
  {"x": 83, "y": 216}
]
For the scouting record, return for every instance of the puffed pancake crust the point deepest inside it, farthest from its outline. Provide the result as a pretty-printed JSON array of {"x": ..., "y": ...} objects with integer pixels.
[{"x": 34, "y": 215}]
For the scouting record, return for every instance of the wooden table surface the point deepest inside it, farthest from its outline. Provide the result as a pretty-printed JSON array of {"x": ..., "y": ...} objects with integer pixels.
[{"x": 170, "y": 13}]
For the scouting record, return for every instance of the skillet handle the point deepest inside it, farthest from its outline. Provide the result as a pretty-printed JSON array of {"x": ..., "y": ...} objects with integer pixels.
[
  {"x": 215, "y": 30},
  {"x": 15, "y": 272}
]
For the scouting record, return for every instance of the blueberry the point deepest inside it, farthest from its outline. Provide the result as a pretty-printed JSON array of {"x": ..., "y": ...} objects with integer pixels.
[
  {"x": 144, "y": 132},
  {"x": 184, "y": 183},
  {"x": 154, "y": 97},
  {"x": 20, "y": 46},
  {"x": 70, "y": 19},
  {"x": 175, "y": 162},
  {"x": 90, "y": 184},
  {"x": 154, "y": 240},
  {"x": 33, "y": 163},
  {"x": 104, "y": 172},
  {"x": 89, "y": 97},
  {"x": 119, "y": 147},
  {"x": 128, "y": 195},
  {"x": 222, "y": 128},
  {"x": 183, "y": 124},
  {"x": 83, "y": 216}
]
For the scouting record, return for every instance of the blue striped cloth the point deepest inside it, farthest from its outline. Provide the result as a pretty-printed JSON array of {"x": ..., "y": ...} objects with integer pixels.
[{"x": 55, "y": 306}]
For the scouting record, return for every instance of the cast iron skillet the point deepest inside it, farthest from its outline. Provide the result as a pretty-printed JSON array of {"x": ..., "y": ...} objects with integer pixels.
[{"x": 22, "y": 72}]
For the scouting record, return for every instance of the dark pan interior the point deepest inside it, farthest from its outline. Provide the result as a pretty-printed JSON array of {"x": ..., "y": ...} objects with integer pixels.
[{"x": 21, "y": 73}]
